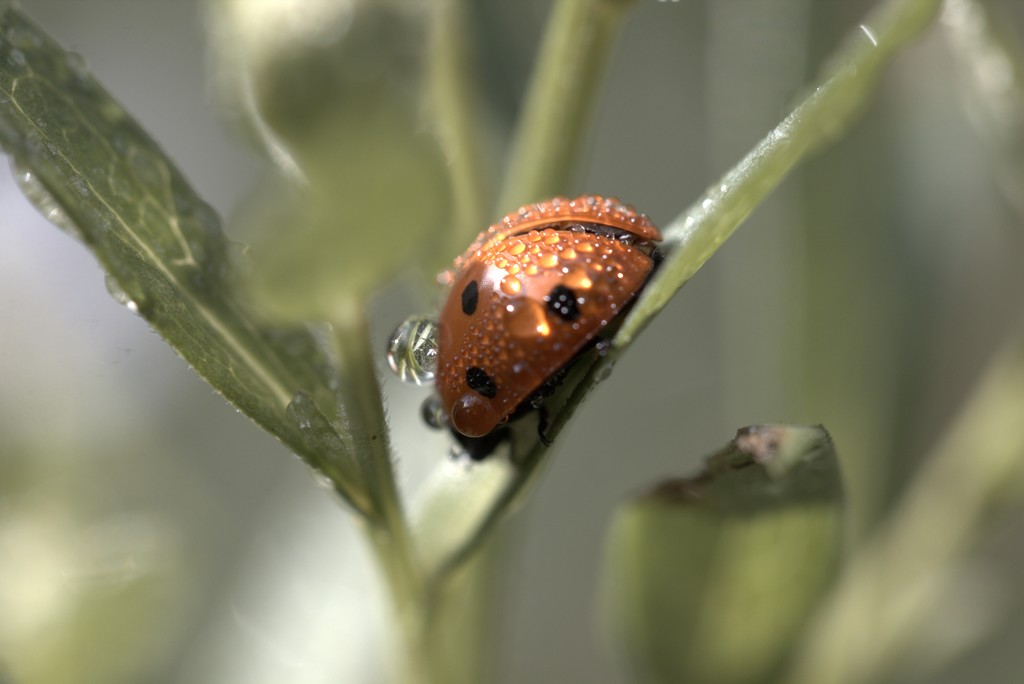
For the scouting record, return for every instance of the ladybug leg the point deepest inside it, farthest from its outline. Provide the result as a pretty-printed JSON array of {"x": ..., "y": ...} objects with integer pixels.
[{"x": 542, "y": 427}]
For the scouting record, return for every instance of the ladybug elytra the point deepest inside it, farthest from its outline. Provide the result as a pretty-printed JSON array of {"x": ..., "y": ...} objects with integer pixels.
[{"x": 531, "y": 293}]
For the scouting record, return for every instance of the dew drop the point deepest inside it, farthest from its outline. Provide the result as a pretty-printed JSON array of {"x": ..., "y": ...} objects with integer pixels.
[
  {"x": 80, "y": 186},
  {"x": 302, "y": 411},
  {"x": 43, "y": 201},
  {"x": 526, "y": 318},
  {"x": 433, "y": 413},
  {"x": 578, "y": 279},
  {"x": 869, "y": 34},
  {"x": 321, "y": 480},
  {"x": 119, "y": 294},
  {"x": 604, "y": 372},
  {"x": 76, "y": 64},
  {"x": 511, "y": 285},
  {"x": 317, "y": 432},
  {"x": 16, "y": 58},
  {"x": 516, "y": 248},
  {"x": 473, "y": 416},
  {"x": 412, "y": 350}
]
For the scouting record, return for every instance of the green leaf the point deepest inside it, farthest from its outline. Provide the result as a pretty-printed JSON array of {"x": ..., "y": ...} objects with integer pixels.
[
  {"x": 711, "y": 578},
  {"x": 161, "y": 244},
  {"x": 455, "y": 502}
]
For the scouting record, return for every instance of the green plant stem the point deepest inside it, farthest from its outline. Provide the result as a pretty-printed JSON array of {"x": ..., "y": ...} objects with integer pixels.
[
  {"x": 388, "y": 532},
  {"x": 886, "y": 598},
  {"x": 457, "y": 119},
  {"x": 527, "y": 455},
  {"x": 362, "y": 414},
  {"x": 405, "y": 589},
  {"x": 560, "y": 98},
  {"x": 990, "y": 62},
  {"x": 459, "y": 619},
  {"x": 825, "y": 114}
]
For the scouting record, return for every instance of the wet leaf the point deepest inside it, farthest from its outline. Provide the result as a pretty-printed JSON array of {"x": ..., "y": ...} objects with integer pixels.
[
  {"x": 823, "y": 116},
  {"x": 162, "y": 245},
  {"x": 454, "y": 502},
  {"x": 711, "y": 578}
]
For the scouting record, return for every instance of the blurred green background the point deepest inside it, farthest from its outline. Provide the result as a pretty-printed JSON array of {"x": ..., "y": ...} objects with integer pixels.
[{"x": 148, "y": 532}]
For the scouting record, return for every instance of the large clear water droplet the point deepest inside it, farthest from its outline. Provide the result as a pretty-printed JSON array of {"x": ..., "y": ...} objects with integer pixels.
[
  {"x": 412, "y": 350},
  {"x": 42, "y": 200}
]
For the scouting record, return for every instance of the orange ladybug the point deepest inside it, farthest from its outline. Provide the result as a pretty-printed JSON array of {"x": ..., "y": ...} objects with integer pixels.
[{"x": 528, "y": 296}]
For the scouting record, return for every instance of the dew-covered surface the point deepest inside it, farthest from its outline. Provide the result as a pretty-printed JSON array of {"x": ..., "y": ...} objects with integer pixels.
[
  {"x": 542, "y": 297},
  {"x": 162, "y": 245}
]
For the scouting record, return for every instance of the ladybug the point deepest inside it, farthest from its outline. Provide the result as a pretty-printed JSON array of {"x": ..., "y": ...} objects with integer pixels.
[{"x": 529, "y": 295}]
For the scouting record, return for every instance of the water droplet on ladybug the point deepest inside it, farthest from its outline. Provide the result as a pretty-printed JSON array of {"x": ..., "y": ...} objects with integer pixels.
[
  {"x": 433, "y": 412},
  {"x": 511, "y": 285},
  {"x": 412, "y": 350},
  {"x": 473, "y": 415},
  {"x": 526, "y": 318}
]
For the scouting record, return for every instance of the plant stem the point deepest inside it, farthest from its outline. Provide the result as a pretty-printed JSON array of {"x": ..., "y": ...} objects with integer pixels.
[
  {"x": 825, "y": 114},
  {"x": 992, "y": 77},
  {"x": 362, "y": 411},
  {"x": 457, "y": 119},
  {"x": 405, "y": 588},
  {"x": 528, "y": 453},
  {"x": 559, "y": 100}
]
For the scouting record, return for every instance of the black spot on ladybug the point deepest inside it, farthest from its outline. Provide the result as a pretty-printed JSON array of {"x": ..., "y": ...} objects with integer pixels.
[
  {"x": 469, "y": 297},
  {"x": 480, "y": 382},
  {"x": 562, "y": 302}
]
